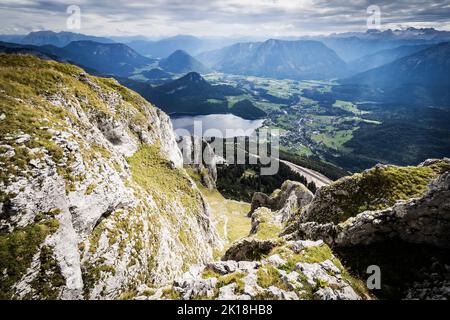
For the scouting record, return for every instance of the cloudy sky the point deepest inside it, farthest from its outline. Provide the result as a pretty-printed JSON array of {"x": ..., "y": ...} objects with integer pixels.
[{"x": 155, "y": 18}]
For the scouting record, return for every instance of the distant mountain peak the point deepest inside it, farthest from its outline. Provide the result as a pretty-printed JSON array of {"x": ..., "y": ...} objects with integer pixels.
[
  {"x": 421, "y": 77},
  {"x": 180, "y": 53},
  {"x": 59, "y": 39},
  {"x": 113, "y": 49},
  {"x": 181, "y": 62},
  {"x": 281, "y": 59},
  {"x": 194, "y": 77}
]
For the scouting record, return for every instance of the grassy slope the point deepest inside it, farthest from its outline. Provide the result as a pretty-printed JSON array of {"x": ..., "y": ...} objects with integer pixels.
[
  {"x": 26, "y": 82},
  {"x": 375, "y": 189},
  {"x": 230, "y": 215}
]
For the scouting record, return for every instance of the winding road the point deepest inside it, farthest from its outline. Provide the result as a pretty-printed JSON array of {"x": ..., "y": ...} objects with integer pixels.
[{"x": 310, "y": 175}]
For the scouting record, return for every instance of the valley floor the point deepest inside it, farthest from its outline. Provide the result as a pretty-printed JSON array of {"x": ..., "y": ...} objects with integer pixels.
[{"x": 339, "y": 126}]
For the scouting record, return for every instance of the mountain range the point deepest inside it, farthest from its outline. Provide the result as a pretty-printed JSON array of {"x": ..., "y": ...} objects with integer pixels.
[
  {"x": 60, "y": 39},
  {"x": 99, "y": 58},
  {"x": 422, "y": 77},
  {"x": 383, "y": 57},
  {"x": 181, "y": 62},
  {"x": 406, "y": 73},
  {"x": 354, "y": 45},
  {"x": 353, "y": 48},
  {"x": 190, "y": 44},
  {"x": 358, "y": 43},
  {"x": 115, "y": 59},
  {"x": 303, "y": 59},
  {"x": 409, "y": 33},
  {"x": 112, "y": 59}
]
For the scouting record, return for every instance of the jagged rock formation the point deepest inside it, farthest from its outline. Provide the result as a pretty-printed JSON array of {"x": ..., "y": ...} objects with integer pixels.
[
  {"x": 270, "y": 213},
  {"x": 249, "y": 249},
  {"x": 404, "y": 207},
  {"x": 200, "y": 157},
  {"x": 292, "y": 196},
  {"x": 94, "y": 201},
  {"x": 423, "y": 219},
  {"x": 400, "y": 215},
  {"x": 291, "y": 270},
  {"x": 265, "y": 266}
]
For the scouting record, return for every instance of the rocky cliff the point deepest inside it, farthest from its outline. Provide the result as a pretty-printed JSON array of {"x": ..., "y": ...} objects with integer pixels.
[
  {"x": 264, "y": 265},
  {"x": 94, "y": 201},
  {"x": 395, "y": 218},
  {"x": 386, "y": 202},
  {"x": 199, "y": 156}
]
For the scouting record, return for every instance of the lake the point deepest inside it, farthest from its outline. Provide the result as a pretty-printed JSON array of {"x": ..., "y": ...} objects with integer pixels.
[{"x": 215, "y": 125}]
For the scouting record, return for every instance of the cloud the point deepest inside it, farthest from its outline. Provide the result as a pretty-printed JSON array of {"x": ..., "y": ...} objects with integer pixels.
[{"x": 218, "y": 17}]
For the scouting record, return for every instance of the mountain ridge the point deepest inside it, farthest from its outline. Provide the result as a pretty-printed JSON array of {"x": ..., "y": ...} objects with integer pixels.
[
  {"x": 59, "y": 39},
  {"x": 181, "y": 62},
  {"x": 299, "y": 60},
  {"x": 87, "y": 190},
  {"x": 99, "y": 58},
  {"x": 383, "y": 57},
  {"x": 427, "y": 69}
]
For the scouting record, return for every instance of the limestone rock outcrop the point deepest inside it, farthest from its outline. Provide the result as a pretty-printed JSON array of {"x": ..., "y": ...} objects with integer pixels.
[
  {"x": 198, "y": 155},
  {"x": 269, "y": 214},
  {"x": 422, "y": 220},
  {"x": 290, "y": 198},
  {"x": 248, "y": 249},
  {"x": 375, "y": 189},
  {"x": 94, "y": 201},
  {"x": 401, "y": 216},
  {"x": 292, "y": 270}
]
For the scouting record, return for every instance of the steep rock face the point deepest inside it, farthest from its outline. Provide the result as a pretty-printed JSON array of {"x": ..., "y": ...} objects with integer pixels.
[
  {"x": 423, "y": 220},
  {"x": 93, "y": 197},
  {"x": 200, "y": 157},
  {"x": 375, "y": 189},
  {"x": 265, "y": 266},
  {"x": 293, "y": 270},
  {"x": 269, "y": 214},
  {"x": 390, "y": 217},
  {"x": 290, "y": 198}
]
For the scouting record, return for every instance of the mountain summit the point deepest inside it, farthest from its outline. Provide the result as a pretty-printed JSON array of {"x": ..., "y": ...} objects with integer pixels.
[
  {"x": 190, "y": 94},
  {"x": 422, "y": 76},
  {"x": 59, "y": 39},
  {"x": 113, "y": 58},
  {"x": 303, "y": 59},
  {"x": 181, "y": 62}
]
